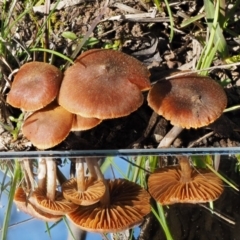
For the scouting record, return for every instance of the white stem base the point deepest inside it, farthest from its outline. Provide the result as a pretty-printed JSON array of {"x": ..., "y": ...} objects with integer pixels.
[{"x": 170, "y": 137}]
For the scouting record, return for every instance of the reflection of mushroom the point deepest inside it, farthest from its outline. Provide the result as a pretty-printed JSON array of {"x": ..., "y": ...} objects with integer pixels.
[
  {"x": 184, "y": 184},
  {"x": 190, "y": 101},
  {"x": 48, "y": 127},
  {"x": 22, "y": 197},
  {"x": 51, "y": 201},
  {"x": 124, "y": 207},
  {"x": 23, "y": 204},
  {"x": 83, "y": 190},
  {"x": 104, "y": 84},
  {"x": 35, "y": 85}
]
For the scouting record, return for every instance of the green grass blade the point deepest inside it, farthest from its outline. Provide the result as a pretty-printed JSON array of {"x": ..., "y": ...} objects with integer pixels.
[
  {"x": 69, "y": 228},
  {"x": 16, "y": 177},
  {"x": 191, "y": 20},
  {"x": 162, "y": 220},
  {"x": 106, "y": 164},
  {"x": 52, "y": 52},
  {"x": 221, "y": 177},
  {"x": 3, "y": 186},
  {"x": 214, "y": 10},
  {"x": 171, "y": 20},
  {"x": 48, "y": 229},
  {"x": 211, "y": 47}
]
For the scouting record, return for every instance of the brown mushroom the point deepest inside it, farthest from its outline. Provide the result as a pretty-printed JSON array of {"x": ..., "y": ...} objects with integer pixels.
[
  {"x": 83, "y": 190},
  {"x": 48, "y": 126},
  {"x": 190, "y": 101},
  {"x": 50, "y": 200},
  {"x": 124, "y": 207},
  {"x": 183, "y": 184},
  {"x": 104, "y": 84},
  {"x": 23, "y": 204},
  {"x": 35, "y": 85},
  {"x": 82, "y": 123},
  {"x": 22, "y": 196}
]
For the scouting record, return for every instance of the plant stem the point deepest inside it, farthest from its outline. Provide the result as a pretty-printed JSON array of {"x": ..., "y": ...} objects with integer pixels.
[
  {"x": 186, "y": 169},
  {"x": 80, "y": 175},
  {"x": 16, "y": 177},
  {"x": 42, "y": 173},
  {"x": 170, "y": 137},
  {"x": 51, "y": 178},
  {"x": 105, "y": 200}
]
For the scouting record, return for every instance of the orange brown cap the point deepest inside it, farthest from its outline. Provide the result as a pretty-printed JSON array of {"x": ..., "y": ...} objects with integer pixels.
[
  {"x": 48, "y": 127},
  {"x": 82, "y": 123},
  {"x": 104, "y": 84},
  {"x": 169, "y": 185},
  {"x": 57, "y": 206},
  {"x": 94, "y": 190},
  {"x": 129, "y": 203},
  {"x": 191, "y": 101},
  {"x": 35, "y": 85},
  {"x": 22, "y": 203}
]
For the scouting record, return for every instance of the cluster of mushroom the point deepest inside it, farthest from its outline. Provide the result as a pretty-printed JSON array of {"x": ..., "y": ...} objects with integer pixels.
[
  {"x": 100, "y": 85},
  {"x": 104, "y": 84},
  {"x": 41, "y": 200},
  {"x": 92, "y": 203}
]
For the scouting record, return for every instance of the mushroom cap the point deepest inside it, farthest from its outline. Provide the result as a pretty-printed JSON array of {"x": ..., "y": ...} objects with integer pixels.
[
  {"x": 104, "y": 84},
  {"x": 190, "y": 101},
  {"x": 166, "y": 187},
  {"x": 129, "y": 203},
  {"x": 48, "y": 126},
  {"x": 35, "y": 85},
  {"x": 93, "y": 193},
  {"x": 25, "y": 206},
  {"x": 57, "y": 206},
  {"x": 82, "y": 123}
]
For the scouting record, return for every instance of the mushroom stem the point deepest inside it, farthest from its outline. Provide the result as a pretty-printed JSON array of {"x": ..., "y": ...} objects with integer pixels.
[
  {"x": 42, "y": 173},
  {"x": 80, "y": 174},
  {"x": 105, "y": 200},
  {"x": 28, "y": 174},
  {"x": 170, "y": 137},
  {"x": 186, "y": 169},
  {"x": 51, "y": 178},
  {"x": 91, "y": 168}
]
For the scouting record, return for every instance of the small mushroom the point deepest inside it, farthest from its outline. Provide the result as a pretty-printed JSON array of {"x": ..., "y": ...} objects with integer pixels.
[
  {"x": 35, "y": 85},
  {"x": 104, "y": 84},
  {"x": 51, "y": 200},
  {"x": 83, "y": 190},
  {"x": 23, "y": 204},
  {"x": 123, "y": 207},
  {"x": 22, "y": 197},
  {"x": 82, "y": 123},
  {"x": 48, "y": 126},
  {"x": 190, "y": 101},
  {"x": 183, "y": 184}
]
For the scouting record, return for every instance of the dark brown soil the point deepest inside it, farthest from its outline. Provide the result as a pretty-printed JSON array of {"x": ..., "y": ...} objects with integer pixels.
[{"x": 148, "y": 41}]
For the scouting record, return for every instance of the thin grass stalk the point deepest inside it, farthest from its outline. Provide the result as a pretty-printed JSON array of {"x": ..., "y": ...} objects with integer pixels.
[
  {"x": 207, "y": 53},
  {"x": 16, "y": 178},
  {"x": 136, "y": 171},
  {"x": 171, "y": 20},
  {"x": 221, "y": 177},
  {"x": 89, "y": 32},
  {"x": 161, "y": 219},
  {"x": 40, "y": 30}
]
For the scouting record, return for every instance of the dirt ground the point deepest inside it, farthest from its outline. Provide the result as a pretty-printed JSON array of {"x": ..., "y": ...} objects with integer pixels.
[{"x": 146, "y": 38}]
